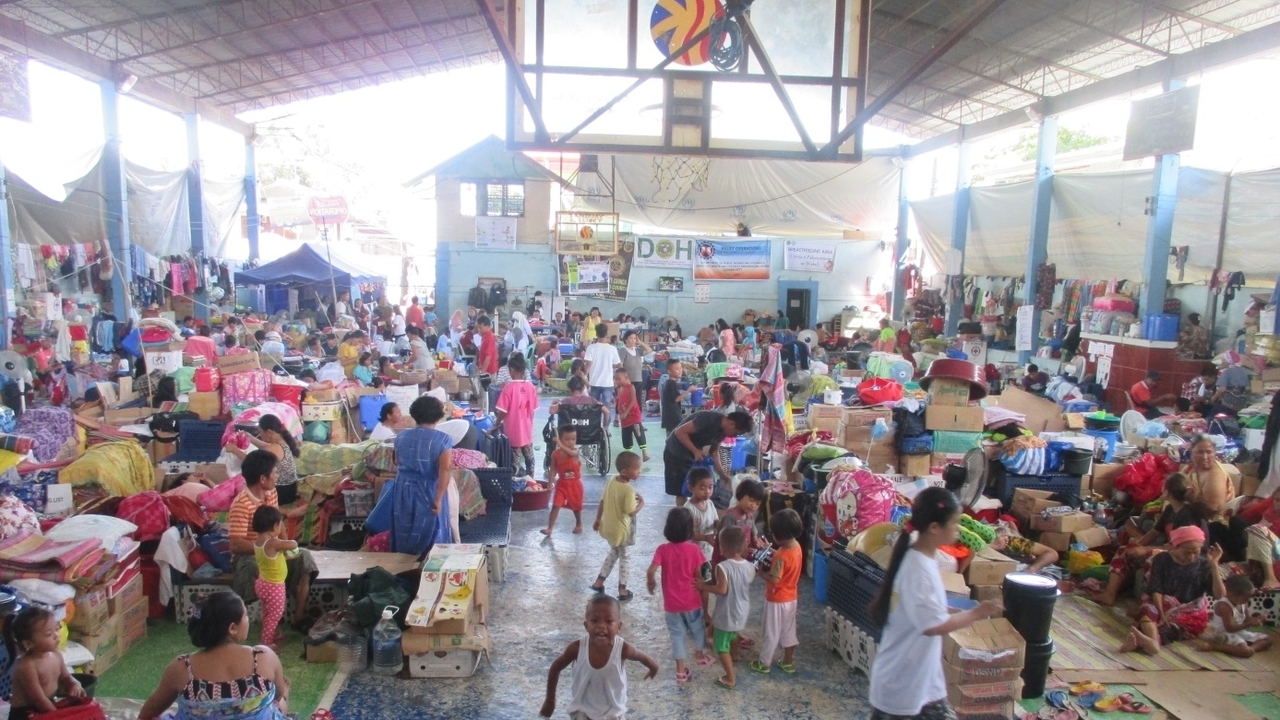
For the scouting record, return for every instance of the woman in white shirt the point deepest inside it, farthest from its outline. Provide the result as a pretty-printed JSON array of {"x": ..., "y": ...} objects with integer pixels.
[
  {"x": 419, "y": 353},
  {"x": 907, "y": 679},
  {"x": 388, "y": 418}
]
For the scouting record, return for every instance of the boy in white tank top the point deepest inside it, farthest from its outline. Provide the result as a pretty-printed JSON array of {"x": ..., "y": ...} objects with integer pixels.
[{"x": 599, "y": 682}]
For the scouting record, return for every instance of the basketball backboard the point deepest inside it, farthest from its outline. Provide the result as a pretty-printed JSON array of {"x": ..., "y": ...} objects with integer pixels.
[{"x": 640, "y": 76}]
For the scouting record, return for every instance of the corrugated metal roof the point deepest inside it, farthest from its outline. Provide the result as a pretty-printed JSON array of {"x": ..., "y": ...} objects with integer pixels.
[{"x": 248, "y": 54}]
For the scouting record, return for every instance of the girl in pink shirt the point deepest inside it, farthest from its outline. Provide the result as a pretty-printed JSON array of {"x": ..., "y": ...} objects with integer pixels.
[{"x": 514, "y": 409}]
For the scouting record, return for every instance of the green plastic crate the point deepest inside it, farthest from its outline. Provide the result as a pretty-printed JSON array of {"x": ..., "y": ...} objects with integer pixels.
[{"x": 946, "y": 441}]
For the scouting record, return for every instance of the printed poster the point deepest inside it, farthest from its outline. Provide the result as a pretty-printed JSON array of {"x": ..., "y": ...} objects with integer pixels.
[
  {"x": 496, "y": 232},
  {"x": 664, "y": 252},
  {"x": 599, "y": 276},
  {"x": 732, "y": 260},
  {"x": 809, "y": 256}
]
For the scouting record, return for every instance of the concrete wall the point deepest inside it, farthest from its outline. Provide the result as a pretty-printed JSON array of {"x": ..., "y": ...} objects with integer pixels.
[
  {"x": 531, "y": 267},
  {"x": 453, "y": 226}
]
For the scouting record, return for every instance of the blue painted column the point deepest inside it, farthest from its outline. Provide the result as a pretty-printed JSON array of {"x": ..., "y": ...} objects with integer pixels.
[
  {"x": 1042, "y": 203},
  {"x": 8, "y": 277},
  {"x": 114, "y": 188},
  {"x": 252, "y": 221},
  {"x": 195, "y": 208},
  {"x": 959, "y": 237},
  {"x": 1161, "y": 206},
  {"x": 899, "y": 301}
]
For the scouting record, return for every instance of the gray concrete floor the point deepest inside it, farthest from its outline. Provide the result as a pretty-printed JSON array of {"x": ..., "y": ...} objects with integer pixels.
[{"x": 539, "y": 610}]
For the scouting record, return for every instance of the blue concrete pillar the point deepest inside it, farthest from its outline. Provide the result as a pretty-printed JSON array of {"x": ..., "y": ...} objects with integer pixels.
[
  {"x": 8, "y": 278},
  {"x": 1042, "y": 203},
  {"x": 252, "y": 221},
  {"x": 195, "y": 208},
  {"x": 442, "y": 285},
  {"x": 899, "y": 301},
  {"x": 959, "y": 236},
  {"x": 114, "y": 190},
  {"x": 1161, "y": 206}
]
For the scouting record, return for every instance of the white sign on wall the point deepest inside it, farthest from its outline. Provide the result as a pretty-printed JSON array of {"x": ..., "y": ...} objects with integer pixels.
[
  {"x": 1026, "y": 315},
  {"x": 702, "y": 293},
  {"x": 1104, "y": 371},
  {"x": 809, "y": 255},
  {"x": 496, "y": 232}
]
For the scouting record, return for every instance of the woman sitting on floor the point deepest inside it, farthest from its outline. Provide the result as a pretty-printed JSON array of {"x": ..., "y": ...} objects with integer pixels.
[
  {"x": 1182, "y": 508},
  {"x": 224, "y": 679},
  {"x": 1180, "y": 586}
]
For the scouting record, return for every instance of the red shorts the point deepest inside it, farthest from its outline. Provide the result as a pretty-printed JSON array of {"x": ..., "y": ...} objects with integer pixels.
[{"x": 569, "y": 495}]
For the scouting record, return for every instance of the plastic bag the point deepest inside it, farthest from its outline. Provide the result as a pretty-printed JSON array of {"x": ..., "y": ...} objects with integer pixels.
[
  {"x": 874, "y": 391},
  {"x": 1078, "y": 562},
  {"x": 1143, "y": 480},
  {"x": 1027, "y": 461},
  {"x": 331, "y": 372},
  {"x": 106, "y": 528}
]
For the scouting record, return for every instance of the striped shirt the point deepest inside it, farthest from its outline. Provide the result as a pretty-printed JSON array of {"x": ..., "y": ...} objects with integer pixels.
[{"x": 240, "y": 517}]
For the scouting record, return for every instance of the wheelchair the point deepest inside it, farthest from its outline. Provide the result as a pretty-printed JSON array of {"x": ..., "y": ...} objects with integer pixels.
[{"x": 593, "y": 435}]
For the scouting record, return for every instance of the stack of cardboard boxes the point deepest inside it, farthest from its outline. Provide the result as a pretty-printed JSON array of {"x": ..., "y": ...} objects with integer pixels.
[
  {"x": 447, "y": 633},
  {"x": 110, "y": 619},
  {"x": 956, "y": 423},
  {"x": 855, "y": 432},
  {"x": 985, "y": 574},
  {"x": 1057, "y": 529},
  {"x": 983, "y": 665}
]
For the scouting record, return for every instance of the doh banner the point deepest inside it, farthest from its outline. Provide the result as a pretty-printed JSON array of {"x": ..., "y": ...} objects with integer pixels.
[{"x": 732, "y": 260}]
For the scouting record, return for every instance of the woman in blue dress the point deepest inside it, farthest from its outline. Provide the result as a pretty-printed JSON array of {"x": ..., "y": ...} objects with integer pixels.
[{"x": 425, "y": 466}]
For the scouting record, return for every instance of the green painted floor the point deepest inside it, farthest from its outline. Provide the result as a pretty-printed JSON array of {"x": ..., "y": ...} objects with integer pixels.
[
  {"x": 1262, "y": 704},
  {"x": 136, "y": 674}
]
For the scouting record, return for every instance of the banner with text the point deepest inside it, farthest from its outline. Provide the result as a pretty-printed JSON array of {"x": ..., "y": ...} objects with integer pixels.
[
  {"x": 664, "y": 252},
  {"x": 737, "y": 260},
  {"x": 607, "y": 277},
  {"x": 809, "y": 255}
]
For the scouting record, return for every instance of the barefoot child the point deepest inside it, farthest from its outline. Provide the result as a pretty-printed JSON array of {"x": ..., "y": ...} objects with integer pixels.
[
  {"x": 616, "y": 521},
  {"x": 629, "y": 413},
  {"x": 599, "y": 680},
  {"x": 39, "y": 675},
  {"x": 907, "y": 679},
  {"x": 269, "y": 550},
  {"x": 781, "y": 592},
  {"x": 1230, "y": 621},
  {"x": 565, "y": 473},
  {"x": 732, "y": 586},
  {"x": 679, "y": 559}
]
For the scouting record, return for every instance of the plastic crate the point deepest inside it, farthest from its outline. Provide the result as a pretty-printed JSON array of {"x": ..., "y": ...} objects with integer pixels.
[
  {"x": 918, "y": 445},
  {"x": 1057, "y": 483},
  {"x": 338, "y": 523},
  {"x": 358, "y": 502},
  {"x": 946, "y": 441},
  {"x": 494, "y": 527},
  {"x": 855, "y": 647},
  {"x": 853, "y": 583},
  {"x": 322, "y": 598},
  {"x": 199, "y": 441}
]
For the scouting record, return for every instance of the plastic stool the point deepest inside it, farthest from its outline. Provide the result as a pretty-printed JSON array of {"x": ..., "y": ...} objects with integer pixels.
[{"x": 1111, "y": 436}]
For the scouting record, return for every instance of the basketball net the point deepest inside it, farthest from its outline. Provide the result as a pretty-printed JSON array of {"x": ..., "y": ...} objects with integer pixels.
[{"x": 673, "y": 176}]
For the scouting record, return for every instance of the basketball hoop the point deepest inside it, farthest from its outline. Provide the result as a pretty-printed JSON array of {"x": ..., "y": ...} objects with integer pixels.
[{"x": 674, "y": 175}]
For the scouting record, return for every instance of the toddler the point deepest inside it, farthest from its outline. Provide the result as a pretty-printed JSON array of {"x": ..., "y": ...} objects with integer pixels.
[
  {"x": 750, "y": 495},
  {"x": 599, "y": 680},
  {"x": 514, "y": 409},
  {"x": 671, "y": 397},
  {"x": 364, "y": 371},
  {"x": 780, "y": 593},
  {"x": 615, "y": 521},
  {"x": 732, "y": 584},
  {"x": 39, "y": 675},
  {"x": 1230, "y": 622},
  {"x": 269, "y": 550},
  {"x": 565, "y": 474},
  {"x": 629, "y": 414},
  {"x": 679, "y": 559},
  {"x": 705, "y": 517}
]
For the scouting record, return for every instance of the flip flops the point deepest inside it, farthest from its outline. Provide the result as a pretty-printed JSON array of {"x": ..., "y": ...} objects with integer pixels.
[
  {"x": 720, "y": 681},
  {"x": 1081, "y": 688},
  {"x": 788, "y": 668},
  {"x": 1110, "y": 703},
  {"x": 624, "y": 597},
  {"x": 1056, "y": 699},
  {"x": 1130, "y": 705},
  {"x": 759, "y": 667},
  {"x": 705, "y": 660},
  {"x": 684, "y": 676},
  {"x": 1090, "y": 699}
]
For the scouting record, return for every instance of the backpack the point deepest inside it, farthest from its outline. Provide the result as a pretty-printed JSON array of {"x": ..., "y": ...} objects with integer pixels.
[
  {"x": 148, "y": 511},
  {"x": 477, "y": 297},
  {"x": 497, "y": 296},
  {"x": 167, "y": 422}
]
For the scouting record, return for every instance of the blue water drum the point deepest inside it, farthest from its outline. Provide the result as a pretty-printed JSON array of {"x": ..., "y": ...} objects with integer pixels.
[
  {"x": 483, "y": 422},
  {"x": 1161, "y": 327},
  {"x": 1028, "y": 604}
]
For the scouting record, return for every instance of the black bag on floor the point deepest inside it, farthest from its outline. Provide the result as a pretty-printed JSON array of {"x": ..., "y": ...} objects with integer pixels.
[{"x": 497, "y": 447}]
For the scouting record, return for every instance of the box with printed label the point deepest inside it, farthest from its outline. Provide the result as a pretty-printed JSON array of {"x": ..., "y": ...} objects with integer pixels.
[
  {"x": 984, "y": 694},
  {"x": 91, "y": 610},
  {"x": 819, "y": 411},
  {"x": 992, "y": 643},
  {"x": 1061, "y": 522},
  {"x": 999, "y": 711},
  {"x": 131, "y": 635},
  {"x": 830, "y": 425},
  {"x": 441, "y": 656},
  {"x": 135, "y": 614},
  {"x": 453, "y": 595},
  {"x": 128, "y": 594},
  {"x": 244, "y": 362},
  {"x": 854, "y": 417},
  {"x": 106, "y": 634},
  {"x": 948, "y": 391},
  {"x": 949, "y": 418}
]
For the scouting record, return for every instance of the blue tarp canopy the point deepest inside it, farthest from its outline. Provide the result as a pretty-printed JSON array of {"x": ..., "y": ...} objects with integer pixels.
[{"x": 309, "y": 264}]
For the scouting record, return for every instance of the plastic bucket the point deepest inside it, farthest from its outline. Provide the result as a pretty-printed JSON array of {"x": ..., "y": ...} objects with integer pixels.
[
  {"x": 1077, "y": 461},
  {"x": 1035, "y": 669},
  {"x": 1028, "y": 604},
  {"x": 288, "y": 394},
  {"x": 821, "y": 577}
]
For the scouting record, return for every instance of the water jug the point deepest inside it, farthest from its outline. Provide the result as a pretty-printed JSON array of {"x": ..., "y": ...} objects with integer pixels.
[{"x": 387, "y": 657}]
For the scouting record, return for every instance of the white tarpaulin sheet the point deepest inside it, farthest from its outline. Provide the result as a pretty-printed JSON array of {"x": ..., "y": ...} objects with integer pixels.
[
  {"x": 1099, "y": 227},
  {"x": 999, "y": 225},
  {"x": 222, "y": 202},
  {"x": 1252, "y": 226},
  {"x": 159, "y": 216},
  {"x": 772, "y": 197}
]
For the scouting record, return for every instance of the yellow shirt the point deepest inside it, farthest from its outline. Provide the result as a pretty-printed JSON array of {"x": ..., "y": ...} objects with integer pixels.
[
  {"x": 270, "y": 569},
  {"x": 349, "y": 356},
  {"x": 618, "y": 502}
]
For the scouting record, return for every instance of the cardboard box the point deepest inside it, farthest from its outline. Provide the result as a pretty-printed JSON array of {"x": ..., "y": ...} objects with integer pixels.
[
  {"x": 859, "y": 416},
  {"x": 1065, "y": 523},
  {"x": 447, "y": 379},
  {"x": 983, "y": 593},
  {"x": 132, "y": 634},
  {"x": 205, "y": 404},
  {"x": 440, "y": 607},
  {"x": 133, "y": 615},
  {"x": 880, "y": 457},
  {"x": 182, "y": 306},
  {"x": 979, "y": 675},
  {"x": 1104, "y": 476},
  {"x": 818, "y": 411},
  {"x": 128, "y": 596},
  {"x": 831, "y": 425},
  {"x": 106, "y": 656},
  {"x": 1000, "y": 711},
  {"x": 106, "y": 634},
  {"x": 127, "y": 416},
  {"x": 244, "y": 362},
  {"x": 92, "y": 612},
  {"x": 325, "y": 652},
  {"x": 1042, "y": 415},
  {"x": 442, "y": 656},
  {"x": 984, "y": 694},
  {"x": 954, "y": 419},
  {"x": 993, "y": 643},
  {"x": 1056, "y": 540},
  {"x": 324, "y": 395},
  {"x": 354, "y": 394},
  {"x": 1092, "y": 537},
  {"x": 1030, "y": 503},
  {"x": 916, "y": 465},
  {"x": 947, "y": 391},
  {"x": 989, "y": 567}
]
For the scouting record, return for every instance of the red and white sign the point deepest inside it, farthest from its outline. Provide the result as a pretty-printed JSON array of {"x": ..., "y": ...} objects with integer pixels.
[{"x": 330, "y": 210}]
